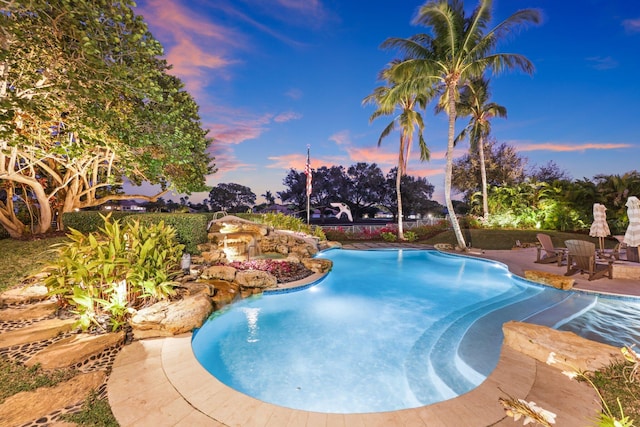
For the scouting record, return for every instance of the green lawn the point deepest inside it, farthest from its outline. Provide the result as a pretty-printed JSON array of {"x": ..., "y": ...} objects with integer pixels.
[
  {"x": 23, "y": 257},
  {"x": 506, "y": 239}
]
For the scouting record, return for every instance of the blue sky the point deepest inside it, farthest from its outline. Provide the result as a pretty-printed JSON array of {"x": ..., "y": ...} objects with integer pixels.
[{"x": 273, "y": 76}]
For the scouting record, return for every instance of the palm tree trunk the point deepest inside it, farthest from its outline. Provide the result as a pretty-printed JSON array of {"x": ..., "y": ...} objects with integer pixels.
[
  {"x": 398, "y": 181},
  {"x": 483, "y": 175},
  {"x": 449, "y": 169}
]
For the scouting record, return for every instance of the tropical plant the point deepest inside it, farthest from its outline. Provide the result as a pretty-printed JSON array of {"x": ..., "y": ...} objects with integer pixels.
[
  {"x": 105, "y": 276},
  {"x": 280, "y": 221},
  {"x": 474, "y": 102},
  {"x": 397, "y": 97},
  {"x": 460, "y": 48}
]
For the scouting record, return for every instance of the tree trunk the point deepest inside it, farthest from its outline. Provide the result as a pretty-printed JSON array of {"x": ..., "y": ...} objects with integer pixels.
[
  {"x": 483, "y": 175},
  {"x": 449, "y": 170},
  {"x": 398, "y": 180}
]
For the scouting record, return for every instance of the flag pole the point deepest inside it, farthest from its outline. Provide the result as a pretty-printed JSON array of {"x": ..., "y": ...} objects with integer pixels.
[{"x": 308, "y": 186}]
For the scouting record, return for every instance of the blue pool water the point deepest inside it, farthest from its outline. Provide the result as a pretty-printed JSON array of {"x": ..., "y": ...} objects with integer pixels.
[{"x": 385, "y": 330}]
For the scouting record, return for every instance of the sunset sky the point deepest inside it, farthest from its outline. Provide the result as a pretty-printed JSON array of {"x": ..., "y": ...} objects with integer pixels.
[{"x": 273, "y": 76}]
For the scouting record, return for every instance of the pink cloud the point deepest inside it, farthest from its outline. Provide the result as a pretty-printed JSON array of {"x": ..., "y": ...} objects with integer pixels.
[
  {"x": 194, "y": 45},
  {"x": 550, "y": 146},
  {"x": 341, "y": 138},
  {"x": 631, "y": 25},
  {"x": 286, "y": 117},
  {"x": 234, "y": 133},
  {"x": 294, "y": 93}
]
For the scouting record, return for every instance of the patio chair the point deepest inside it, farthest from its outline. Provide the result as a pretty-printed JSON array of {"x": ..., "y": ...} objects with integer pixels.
[
  {"x": 547, "y": 253},
  {"x": 582, "y": 258}
]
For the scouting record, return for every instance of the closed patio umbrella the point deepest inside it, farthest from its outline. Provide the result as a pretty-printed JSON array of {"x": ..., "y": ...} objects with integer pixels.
[
  {"x": 632, "y": 236},
  {"x": 599, "y": 227}
]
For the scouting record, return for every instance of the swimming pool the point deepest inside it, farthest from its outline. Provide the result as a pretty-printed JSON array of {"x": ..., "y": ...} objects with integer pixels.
[{"x": 385, "y": 330}]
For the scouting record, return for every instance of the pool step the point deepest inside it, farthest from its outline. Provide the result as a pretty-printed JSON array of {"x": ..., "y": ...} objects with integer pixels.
[{"x": 419, "y": 364}]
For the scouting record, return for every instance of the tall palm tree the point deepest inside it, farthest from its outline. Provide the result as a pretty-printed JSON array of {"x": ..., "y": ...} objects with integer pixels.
[
  {"x": 397, "y": 98},
  {"x": 460, "y": 47},
  {"x": 474, "y": 98}
]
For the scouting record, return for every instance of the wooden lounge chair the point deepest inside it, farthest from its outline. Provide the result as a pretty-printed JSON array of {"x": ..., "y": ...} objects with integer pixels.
[
  {"x": 582, "y": 259},
  {"x": 547, "y": 253}
]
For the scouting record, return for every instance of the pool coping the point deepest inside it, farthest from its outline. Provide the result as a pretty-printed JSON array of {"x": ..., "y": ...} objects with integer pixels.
[{"x": 159, "y": 382}]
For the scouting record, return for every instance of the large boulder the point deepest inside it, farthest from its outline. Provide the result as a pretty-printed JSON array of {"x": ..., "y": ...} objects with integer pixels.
[
  {"x": 213, "y": 256},
  {"x": 220, "y": 272},
  {"x": 318, "y": 265},
  {"x": 285, "y": 242},
  {"x": 256, "y": 279},
  {"x": 562, "y": 349},
  {"x": 550, "y": 279},
  {"x": 167, "y": 318}
]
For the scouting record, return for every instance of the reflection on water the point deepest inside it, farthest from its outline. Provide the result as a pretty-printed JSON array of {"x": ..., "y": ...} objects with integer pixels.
[
  {"x": 252, "y": 323},
  {"x": 611, "y": 321}
]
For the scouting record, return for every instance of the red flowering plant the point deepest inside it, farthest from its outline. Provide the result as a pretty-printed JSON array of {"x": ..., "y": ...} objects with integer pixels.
[{"x": 283, "y": 271}]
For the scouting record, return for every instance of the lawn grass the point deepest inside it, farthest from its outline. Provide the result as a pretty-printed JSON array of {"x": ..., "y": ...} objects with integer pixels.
[
  {"x": 20, "y": 258},
  {"x": 497, "y": 239}
]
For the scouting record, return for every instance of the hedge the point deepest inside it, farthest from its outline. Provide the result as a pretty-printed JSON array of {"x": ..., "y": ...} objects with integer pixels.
[{"x": 191, "y": 229}]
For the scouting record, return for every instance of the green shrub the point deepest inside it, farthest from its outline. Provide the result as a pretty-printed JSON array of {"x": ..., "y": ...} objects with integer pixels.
[
  {"x": 89, "y": 221},
  {"x": 389, "y": 236},
  {"x": 410, "y": 236},
  {"x": 191, "y": 229},
  {"x": 280, "y": 221},
  {"x": 105, "y": 275}
]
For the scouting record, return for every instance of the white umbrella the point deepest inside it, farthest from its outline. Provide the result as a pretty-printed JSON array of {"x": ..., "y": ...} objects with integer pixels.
[
  {"x": 599, "y": 227},
  {"x": 632, "y": 236}
]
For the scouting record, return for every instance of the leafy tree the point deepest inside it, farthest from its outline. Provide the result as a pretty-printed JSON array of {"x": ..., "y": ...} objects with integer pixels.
[
  {"x": 86, "y": 103},
  {"x": 459, "y": 49},
  {"x": 503, "y": 165},
  {"x": 416, "y": 195},
  {"x": 330, "y": 184},
  {"x": 398, "y": 98},
  {"x": 474, "y": 102},
  {"x": 231, "y": 197},
  {"x": 549, "y": 172},
  {"x": 295, "y": 193},
  {"x": 366, "y": 184}
]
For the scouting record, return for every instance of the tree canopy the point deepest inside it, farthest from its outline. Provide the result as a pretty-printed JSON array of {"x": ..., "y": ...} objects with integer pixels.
[{"x": 85, "y": 104}]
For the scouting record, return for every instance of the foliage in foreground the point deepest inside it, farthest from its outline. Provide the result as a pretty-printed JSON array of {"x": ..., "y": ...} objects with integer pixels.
[
  {"x": 617, "y": 386},
  {"x": 104, "y": 276}
]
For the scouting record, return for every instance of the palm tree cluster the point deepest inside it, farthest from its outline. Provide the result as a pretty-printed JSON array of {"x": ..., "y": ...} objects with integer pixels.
[{"x": 449, "y": 66}]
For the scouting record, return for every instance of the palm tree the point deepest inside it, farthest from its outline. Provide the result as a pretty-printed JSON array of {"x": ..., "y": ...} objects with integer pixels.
[
  {"x": 269, "y": 197},
  {"x": 397, "y": 98},
  {"x": 474, "y": 98},
  {"x": 460, "y": 48}
]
